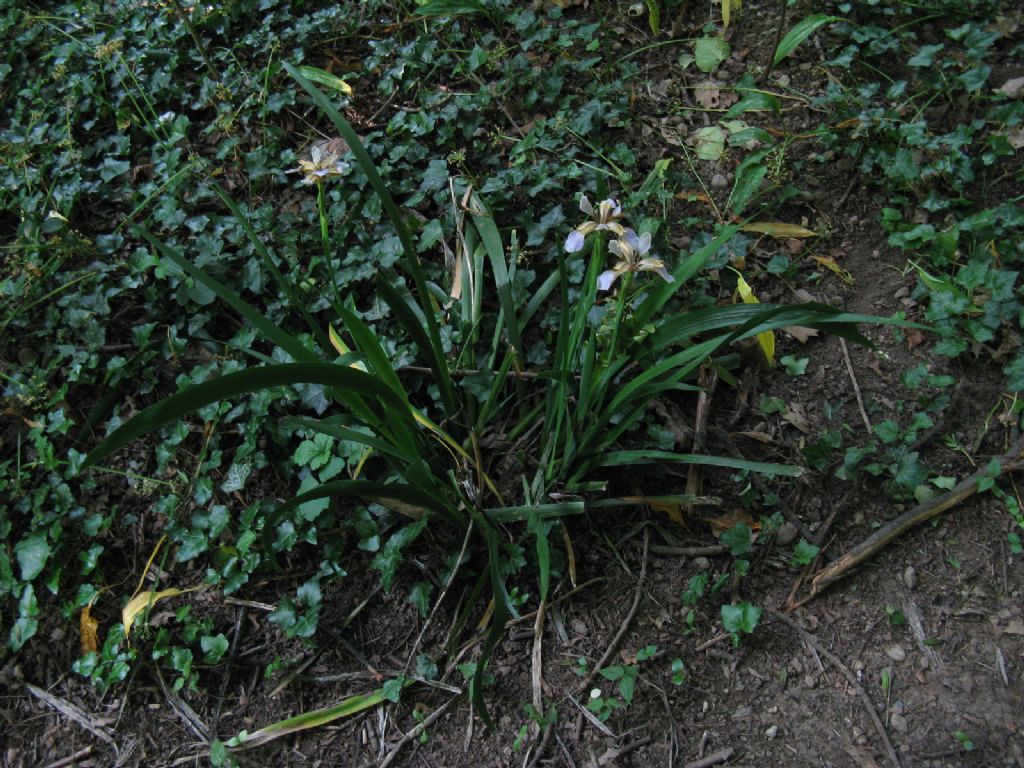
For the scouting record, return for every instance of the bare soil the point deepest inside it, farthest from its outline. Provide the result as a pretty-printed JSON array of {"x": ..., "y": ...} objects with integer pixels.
[{"x": 833, "y": 682}]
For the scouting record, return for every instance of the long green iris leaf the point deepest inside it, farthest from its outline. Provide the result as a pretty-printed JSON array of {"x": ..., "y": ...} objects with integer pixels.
[
  {"x": 274, "y": 333},
  {"x": 243, "y": 382}
]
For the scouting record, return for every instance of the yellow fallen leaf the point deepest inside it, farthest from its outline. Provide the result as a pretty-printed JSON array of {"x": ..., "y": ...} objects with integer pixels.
[
  {"x": 142, "y": 600},
  {"x": 88, "y": 629},
  {"x": 777, "y": 229},
  {"x": 766, "y": 338},
  {"x": 829, "y": 263}
]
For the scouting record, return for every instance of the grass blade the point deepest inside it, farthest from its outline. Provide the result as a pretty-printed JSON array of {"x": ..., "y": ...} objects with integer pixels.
[
  {"x": 626, "y": 458},
  {"x": 491, "y": 239},
  {"x": 268, "y": 263}
]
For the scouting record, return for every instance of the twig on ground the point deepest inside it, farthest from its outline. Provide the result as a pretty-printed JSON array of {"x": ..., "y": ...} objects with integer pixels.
[
  {"x": 440, "y": 599},
  {"x": 71, "y": 712},
  {"x": 181, "y": 708},
  {"x": 611, "y": 755},
  {"x": 709, "y": 382},
  {"x": 542, "y": 746},
  {"x": 713, "y": 759},
  {"x": 614, "y": 644},
  {"x": 1010, "y": 462},
  {"x": 706, "y": 551},
  {"x": 850, "y": 678},
  {"x": 432, "y": 718},
  {"x": 537, "y": 659},
  {"x": 71, "y": 759},
  {"x": 856, "y": 386}
]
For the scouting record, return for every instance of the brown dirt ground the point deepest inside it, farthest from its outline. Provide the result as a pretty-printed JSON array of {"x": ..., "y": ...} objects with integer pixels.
[{"x": 775, "y": 700}]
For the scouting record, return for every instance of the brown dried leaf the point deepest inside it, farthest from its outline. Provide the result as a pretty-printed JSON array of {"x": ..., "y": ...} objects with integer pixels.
[
  {"x": 708, "y": 94},
  {"x": 801, "y": 333},
  {"x": 730, "y": 520},
  {"x": 88, "y": 629}
]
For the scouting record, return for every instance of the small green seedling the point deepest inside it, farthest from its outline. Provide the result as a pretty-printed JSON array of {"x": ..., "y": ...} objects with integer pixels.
[
  {"x": 740, "y": 618},
  {"x": 964, "y": 740}
]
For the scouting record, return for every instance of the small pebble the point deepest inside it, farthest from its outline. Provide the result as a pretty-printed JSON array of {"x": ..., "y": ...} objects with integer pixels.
[
  {"x": 896, "y": 652},
  {"x": 772, "y": 732},
  {"x": 786, "y": 534},
  {"x": 899, "y": 722},
  {"x": 910, "y": 577},
  {"x": 701, "y": 563},
  {"x": 718, "y": 181}
]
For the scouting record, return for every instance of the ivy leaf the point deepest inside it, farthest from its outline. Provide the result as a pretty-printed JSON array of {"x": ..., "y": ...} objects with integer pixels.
[
  {"x": 390, "y": 557},
  {"x": 709, "y": 52},
  {"x": 419, "y": 595},
  {"x": 804, "y": 553},
  {"x": 214, "y": 646},
  {"x": 32, "y": 553},
  {"x": 742, "y": 617},
  {"x": 738, "y": 539}
]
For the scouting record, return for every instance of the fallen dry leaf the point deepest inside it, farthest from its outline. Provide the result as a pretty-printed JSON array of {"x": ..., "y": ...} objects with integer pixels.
[
  {"x": 1012, "y": 88},
  {"x": 801, "y": 333},
  {"x": 88, "y": 629},
  {"x": 795, "y": 416},
  {"x": 914, "y": 338},
  {"x": 730, "y": 520},
  {"x": 708, "y": 94},
  {"x": 780, "y": 230}
]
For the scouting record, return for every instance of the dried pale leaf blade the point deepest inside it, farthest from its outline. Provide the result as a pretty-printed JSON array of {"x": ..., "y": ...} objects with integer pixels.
[
  {"x": 348, "y": 707},
  {"x": 778, "y": 229},
  {"x": 801, "y": 332}
]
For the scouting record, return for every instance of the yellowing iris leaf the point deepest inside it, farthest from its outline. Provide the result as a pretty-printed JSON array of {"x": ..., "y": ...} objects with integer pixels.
[
  {"x": 766, "y": 338},
  {"x": 728, "y": 6}
]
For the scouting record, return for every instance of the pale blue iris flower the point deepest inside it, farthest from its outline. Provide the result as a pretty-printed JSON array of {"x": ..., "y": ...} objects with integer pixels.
[
  {"x": 632, "y": 252},
  {"x": 604, "y": 218}
]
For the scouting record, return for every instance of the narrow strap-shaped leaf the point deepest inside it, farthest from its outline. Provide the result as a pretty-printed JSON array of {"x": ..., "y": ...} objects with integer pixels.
[
  {"x": 410, "y": 321},
  {"x": 268, "y": 263},
  {"x": 350, "y": 706},
  {"x": 243, "y": 382},
  {"x": 491, "y": 239},
  {"x": 625, "y": 458},
  {"x": 407, "y": 494},
  {"x": 367, "y": 343},
  {"x": 341, "y": 432},
  {"x": 544, "y": 511},
  {"x": 800, "y": 32},
  {"x": 271, "y": 331}
]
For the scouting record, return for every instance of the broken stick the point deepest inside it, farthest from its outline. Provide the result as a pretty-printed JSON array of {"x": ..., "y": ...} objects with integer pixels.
[{"x": 1012, "y": 461}]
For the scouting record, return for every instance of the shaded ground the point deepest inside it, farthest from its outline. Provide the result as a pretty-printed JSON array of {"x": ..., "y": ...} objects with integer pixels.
[{"x": 779, "y": 698}]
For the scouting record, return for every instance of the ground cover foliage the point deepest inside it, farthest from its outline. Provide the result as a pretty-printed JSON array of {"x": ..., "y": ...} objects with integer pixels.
[{"x": 318, "y": 283}]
